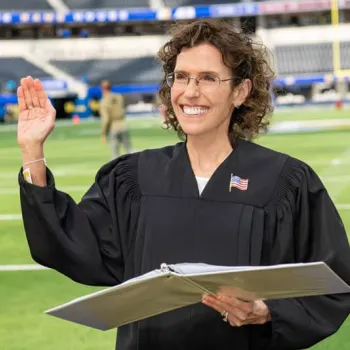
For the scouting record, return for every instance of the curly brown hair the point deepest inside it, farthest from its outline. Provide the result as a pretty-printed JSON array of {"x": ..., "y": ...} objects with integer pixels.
[{"x": 246, "y": 59}]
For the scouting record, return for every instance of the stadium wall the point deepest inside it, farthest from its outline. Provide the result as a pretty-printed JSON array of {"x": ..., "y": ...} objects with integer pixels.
[
  {"x": 85, "y": 48},
  {"x": 129, "y": 47},
  {"x": 304, "y": 35}
]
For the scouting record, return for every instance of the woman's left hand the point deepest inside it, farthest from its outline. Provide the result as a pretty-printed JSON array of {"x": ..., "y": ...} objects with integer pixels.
[{"x": 236, "y": 312}]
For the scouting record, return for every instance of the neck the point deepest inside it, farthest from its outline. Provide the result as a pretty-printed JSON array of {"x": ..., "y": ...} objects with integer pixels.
[{"x": 207, "y": 153}]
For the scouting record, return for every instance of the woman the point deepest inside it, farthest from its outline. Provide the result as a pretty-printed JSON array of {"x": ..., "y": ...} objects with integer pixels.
[{"x": 215, "y": 198}]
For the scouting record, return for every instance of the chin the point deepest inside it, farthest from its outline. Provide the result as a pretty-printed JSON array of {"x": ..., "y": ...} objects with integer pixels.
[{"x": 194, "y": 130}]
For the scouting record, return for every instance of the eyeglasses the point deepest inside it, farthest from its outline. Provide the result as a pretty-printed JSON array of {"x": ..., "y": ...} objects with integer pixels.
[{"x": 179, "y": 80}]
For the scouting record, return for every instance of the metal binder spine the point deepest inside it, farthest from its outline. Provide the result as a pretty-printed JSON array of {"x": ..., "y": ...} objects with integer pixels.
[{"x": 166, "y": 268}]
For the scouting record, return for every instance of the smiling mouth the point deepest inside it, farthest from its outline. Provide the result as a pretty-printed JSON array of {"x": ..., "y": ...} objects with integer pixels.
[{"x": 194, "y": 110}]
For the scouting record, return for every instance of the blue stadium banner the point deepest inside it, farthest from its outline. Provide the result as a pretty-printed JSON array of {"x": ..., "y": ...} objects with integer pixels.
[
  {"x": 180, "y": 13},
  {"x": 235, "y": 10},
  {"x": 54, "y": 84}
]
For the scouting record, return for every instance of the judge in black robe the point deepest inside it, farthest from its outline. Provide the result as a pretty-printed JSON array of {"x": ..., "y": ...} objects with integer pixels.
[{"x": 145, "y": 209}]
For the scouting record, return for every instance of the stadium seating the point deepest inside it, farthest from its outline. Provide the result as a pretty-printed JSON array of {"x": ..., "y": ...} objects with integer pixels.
[
  {"x": 26, "y": 5},
  {"x": 345, "y": 55},
  {"x": 105, "y": 4},
  {"x": 315, "y": 58},
  {"x": 118, "y": 71},
  {"x": 301, "y": 59},
  {"x": 14, "y": 68}
]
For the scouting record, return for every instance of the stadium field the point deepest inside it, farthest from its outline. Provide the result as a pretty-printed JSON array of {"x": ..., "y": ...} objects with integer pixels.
[{"x": 74, "y": 153}]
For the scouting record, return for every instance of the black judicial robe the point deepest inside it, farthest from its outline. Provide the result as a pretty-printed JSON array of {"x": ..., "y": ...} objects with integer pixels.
[{"x": 145, "y": 209}]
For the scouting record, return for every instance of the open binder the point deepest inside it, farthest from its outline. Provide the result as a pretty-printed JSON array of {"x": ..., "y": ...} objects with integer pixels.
[{"x": 175, "y": 286}]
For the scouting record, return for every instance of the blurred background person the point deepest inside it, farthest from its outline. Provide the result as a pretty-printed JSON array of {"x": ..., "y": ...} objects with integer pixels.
[{"x": 112, "y": 113}]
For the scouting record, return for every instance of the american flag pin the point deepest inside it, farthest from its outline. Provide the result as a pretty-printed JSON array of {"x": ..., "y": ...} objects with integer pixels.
[{"x": 239, "y": 183}]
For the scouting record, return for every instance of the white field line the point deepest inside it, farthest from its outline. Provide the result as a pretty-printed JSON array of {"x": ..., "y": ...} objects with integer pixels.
[
  {"x": 134, "y": 121},
  {"x": 336, "y": 166},
  {"x": 343, "y": 206},
  {"x": 334, "y": 161},
  {"x": 27, "y": 267},
  {"x": 10, "y": 217}
]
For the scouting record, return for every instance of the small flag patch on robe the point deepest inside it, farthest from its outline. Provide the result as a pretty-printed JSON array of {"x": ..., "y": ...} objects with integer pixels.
[{"x": 239, "y": 183}]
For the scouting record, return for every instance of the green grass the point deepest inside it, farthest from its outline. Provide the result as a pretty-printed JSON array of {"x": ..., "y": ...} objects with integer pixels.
[
  {"x": 74, "y": 153},
  {"x": 26, "y": 295}
]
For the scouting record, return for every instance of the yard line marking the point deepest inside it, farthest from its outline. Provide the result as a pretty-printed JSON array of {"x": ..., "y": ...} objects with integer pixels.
[
  {"x": 27, "y": 267},
  {"x": 10, "y": 217},
  {"x": 332, "y": 172},
  {"x": 334, "y": 161},
  {"x": 133, "y": 119}
]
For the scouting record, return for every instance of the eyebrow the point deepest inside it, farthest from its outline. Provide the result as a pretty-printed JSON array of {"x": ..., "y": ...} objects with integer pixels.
[{"x": 205, "y": 72}]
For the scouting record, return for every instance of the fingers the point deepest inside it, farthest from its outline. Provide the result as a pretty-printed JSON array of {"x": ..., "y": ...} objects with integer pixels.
[
  {"x": 32, "y": 91},
  {"x": 21, "y": 102},
  {"x": 26, "y": 92},
  {"x": 40, "y": 93},
  {"x": 240, "y": 313},
  {"x": 246, "y": 307},
  {"x": 213, "y": 303},
  {"x": 31, "y": 94},
  {"x": 236, "y": 308},
  {"x": 236, "y": 318},
  {"x": 235, "y": 321}
]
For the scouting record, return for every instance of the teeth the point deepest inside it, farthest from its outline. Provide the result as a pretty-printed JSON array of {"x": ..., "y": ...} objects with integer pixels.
[{"x": 194, "y": 110}]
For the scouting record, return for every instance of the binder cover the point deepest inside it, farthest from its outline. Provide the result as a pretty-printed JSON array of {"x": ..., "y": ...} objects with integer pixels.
[{"x": 175, "y": 286}]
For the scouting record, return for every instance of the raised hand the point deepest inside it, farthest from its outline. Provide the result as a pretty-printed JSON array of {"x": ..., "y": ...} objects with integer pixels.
[{"x": 37, "y": 115}]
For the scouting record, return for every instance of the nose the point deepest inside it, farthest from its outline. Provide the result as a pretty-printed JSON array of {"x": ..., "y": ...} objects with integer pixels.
[{"x": 192, "y": 89}]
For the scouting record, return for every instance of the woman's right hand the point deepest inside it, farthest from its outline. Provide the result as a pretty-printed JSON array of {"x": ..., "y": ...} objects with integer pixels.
[{"x": 37, "y": 116}]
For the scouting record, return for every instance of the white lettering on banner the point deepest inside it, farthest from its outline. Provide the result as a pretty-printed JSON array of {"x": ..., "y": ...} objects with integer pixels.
[
  {"x": 89, "y": 16},
  {"x": 112, "y": 16},
  {"x": 78, "y": 16},
  {"x": 186, "y": 12},
  {"x": 101, "y": 16},
  {"x": 123, "y": 15}
]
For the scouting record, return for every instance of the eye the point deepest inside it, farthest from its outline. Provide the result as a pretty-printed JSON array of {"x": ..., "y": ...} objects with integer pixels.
[
  {"x": 210, "y": 78},
  {"x": 179, "y": 76}
]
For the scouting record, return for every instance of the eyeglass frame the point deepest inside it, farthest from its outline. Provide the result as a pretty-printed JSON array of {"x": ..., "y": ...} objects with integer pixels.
[{"x": 194, "y": 78}]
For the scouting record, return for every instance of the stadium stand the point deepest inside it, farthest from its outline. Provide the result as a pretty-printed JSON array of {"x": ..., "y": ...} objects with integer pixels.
[
  {"x": 14, "y": 68},
  {"x": 310, "y": 58},
  {"x": 302, "y": 59},
  {"x": 25, "y": 5},
  {"x": 105, "y": 4},
  {"x": 142, "y": 70},
  {"x": 345, "y": 55}
]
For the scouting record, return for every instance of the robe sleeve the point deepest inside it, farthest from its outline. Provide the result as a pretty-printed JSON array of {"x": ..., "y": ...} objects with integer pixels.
[
  {"x": 304, "y": 226},
  {"x": 84, "y": 240}
]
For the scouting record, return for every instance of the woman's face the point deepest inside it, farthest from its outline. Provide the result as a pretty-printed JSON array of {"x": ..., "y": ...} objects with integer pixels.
[{"x": 206, "y": 107}]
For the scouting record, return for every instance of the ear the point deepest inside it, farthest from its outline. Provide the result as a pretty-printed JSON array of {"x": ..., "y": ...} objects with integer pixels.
[{"x": 241, "y": 92}]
